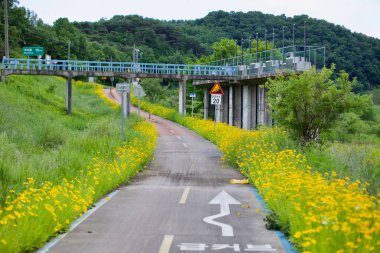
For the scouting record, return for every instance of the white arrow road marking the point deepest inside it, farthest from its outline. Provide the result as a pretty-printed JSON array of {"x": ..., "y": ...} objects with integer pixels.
[{"x": 224, "y": 200}]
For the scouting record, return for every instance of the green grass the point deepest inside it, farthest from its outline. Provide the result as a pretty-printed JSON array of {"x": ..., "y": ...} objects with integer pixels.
[
  {"x": 53, "y": 167},
  {"x": 38, "y": 139}
]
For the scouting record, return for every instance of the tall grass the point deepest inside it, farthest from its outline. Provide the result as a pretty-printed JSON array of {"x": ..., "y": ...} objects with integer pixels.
[
  {"x": 54, "y": 166},
  {"x": 38, "y": 139}
]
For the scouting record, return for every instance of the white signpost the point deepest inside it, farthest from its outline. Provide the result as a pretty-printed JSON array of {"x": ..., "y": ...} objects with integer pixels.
[
  {"x": 192, "y": 95},
  {"x": 123, "y": 89},
  {"x": 216, "y": 93}
]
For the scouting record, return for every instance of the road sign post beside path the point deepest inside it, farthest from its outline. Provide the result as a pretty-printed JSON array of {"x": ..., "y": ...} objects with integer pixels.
[
  {"x": 192, "y": 95},
  {"x": 216, "y": 93},
  {"x": 123, "y": 89}
]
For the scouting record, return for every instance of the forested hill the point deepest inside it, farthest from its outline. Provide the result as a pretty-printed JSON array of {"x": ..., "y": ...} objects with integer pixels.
[
  {"x": 185, "y": 41},
  {"x": 179, "y": 41}
]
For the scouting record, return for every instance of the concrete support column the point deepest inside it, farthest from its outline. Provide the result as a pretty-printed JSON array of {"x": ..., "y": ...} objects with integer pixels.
[
  {"x": 237, "y": 105},
  {"x": 182, "y": 97},
  {"x": 261, "y": 106},
  {"x": 246, "y": 119},
  {"x": 231, "y": 105},
  {"x": 254, "y": 106},
  {"x": 68, "y": 94},
  {"x": 205, "y": 103}
]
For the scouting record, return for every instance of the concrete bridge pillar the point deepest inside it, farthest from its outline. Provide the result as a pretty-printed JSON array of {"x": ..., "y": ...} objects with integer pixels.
[
  {"x": 205, "y": 103},
  {"x": 182, "y": 97},
  {"x": 261, "y": 106},
  {"x": 254, "y": 89},
  {"x": 246, "y": 113},
  {"x": 237, "y": 102},
  {"x": 231, "y": 105}
]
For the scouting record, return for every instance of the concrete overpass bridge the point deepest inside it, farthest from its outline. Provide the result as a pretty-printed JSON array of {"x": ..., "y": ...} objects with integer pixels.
[{"x": 240, "y": 76}]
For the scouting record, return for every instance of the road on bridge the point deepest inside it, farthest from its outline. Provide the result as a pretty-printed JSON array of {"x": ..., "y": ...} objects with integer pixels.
[{"x": 182, "y": 202}]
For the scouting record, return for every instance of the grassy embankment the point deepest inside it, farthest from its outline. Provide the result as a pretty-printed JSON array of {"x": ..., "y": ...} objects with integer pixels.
[
  {"x": 53, "y": 166},
  {"x": 320, "y": 211}
]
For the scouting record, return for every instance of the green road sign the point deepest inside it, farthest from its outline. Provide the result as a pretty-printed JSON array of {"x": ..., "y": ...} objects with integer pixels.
[{"x": 33, "y": 51}]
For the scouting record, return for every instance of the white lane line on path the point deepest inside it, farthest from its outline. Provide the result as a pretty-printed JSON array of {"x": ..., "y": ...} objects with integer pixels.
[
  {"x": 184, "y": 144},
  {"x": 172, "y": 131},
  {"x": 185, "y": 194},
  {"x": 166, "y": 244},
  {"x": 178, "y": 137},
  {"x": 54, "y": 241}
]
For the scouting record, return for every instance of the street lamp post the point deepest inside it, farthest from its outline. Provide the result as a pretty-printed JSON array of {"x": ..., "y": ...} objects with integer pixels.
[
  {"x": 250, "y": 45},
  {"x": 294, "y": 25},
  {"x": 283, "y": 44},
  {"x": 273, "y": 42},
  {"x": 242, "y": 50},
  {"x": 228, "y": 51},
  {"x": 220, "y": 53},
  {"x": 235, "y": 58},
  {"x": 266, "y": 44},
  {"x": 304, "y": 39},
  {"x": 257, "y": 46},
  {"x": 68, "y": 50}
]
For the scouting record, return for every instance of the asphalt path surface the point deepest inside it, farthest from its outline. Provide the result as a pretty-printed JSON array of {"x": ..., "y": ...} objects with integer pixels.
[{"x": 182, "y": 202}]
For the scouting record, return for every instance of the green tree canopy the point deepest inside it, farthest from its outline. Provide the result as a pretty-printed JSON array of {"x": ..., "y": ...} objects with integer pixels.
[{"x": 310, "y": 103}]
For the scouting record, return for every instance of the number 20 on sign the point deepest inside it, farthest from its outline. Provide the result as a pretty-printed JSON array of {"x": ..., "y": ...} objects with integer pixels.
[{"x": 216, "y": 99}]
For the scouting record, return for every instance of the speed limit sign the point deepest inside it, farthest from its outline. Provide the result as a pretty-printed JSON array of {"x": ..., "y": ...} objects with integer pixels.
[{"x": 216, "y": 99}]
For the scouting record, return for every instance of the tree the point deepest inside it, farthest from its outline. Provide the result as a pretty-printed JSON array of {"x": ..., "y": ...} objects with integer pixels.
[{"x": 310, "y": 103}]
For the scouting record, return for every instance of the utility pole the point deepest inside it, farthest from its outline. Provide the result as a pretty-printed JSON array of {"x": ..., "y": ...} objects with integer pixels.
[
  {"x": 68, "y": 50},
  {"x": 6, "y": 29}
]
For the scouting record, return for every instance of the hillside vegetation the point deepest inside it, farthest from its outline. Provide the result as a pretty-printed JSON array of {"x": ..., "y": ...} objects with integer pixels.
[
  {"x": 186, "y": 41},
  {"x": 53, "y": 167}
]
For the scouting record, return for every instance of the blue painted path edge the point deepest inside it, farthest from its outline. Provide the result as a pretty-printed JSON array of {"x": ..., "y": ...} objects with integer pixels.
[{"x": 288, "y": 246}]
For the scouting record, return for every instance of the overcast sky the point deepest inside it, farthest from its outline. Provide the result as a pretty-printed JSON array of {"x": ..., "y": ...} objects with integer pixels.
[{"x": 357, "y": 15}]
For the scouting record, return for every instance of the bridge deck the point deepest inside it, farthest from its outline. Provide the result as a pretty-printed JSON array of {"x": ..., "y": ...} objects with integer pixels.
[{"x": 65, "y": 68}]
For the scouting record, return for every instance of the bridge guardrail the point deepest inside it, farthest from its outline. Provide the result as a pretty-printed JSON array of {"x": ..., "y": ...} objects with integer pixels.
[{"x": 132, "y": 67}]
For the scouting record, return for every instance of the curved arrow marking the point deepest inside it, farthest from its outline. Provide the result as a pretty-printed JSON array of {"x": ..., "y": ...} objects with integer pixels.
[{"x": 224, "y": 200}]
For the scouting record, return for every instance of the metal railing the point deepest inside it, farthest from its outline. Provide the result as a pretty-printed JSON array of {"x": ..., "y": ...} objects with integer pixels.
[
  {"x": 298, "y": 58},
  {"x": 97, "y": 66}
]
